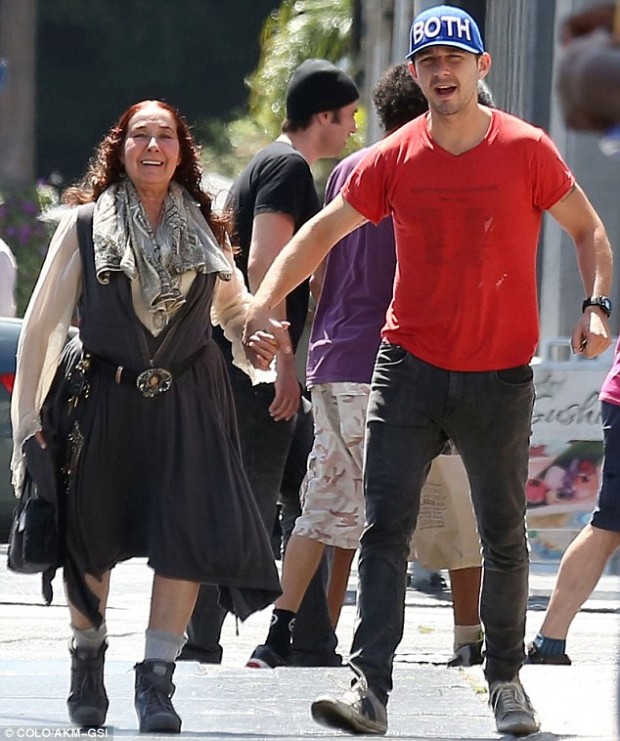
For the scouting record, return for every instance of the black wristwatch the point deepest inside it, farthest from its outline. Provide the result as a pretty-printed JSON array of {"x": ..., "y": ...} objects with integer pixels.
[{"x": 603, "y": 303}]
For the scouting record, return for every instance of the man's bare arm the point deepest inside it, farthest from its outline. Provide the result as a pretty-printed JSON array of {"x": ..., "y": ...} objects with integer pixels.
[
  {"x": 576, "y": 215},
  {"x": 299, "y": 258},
  {"x": 306, "y": 250},
  {"x": 270, "y": 232}
]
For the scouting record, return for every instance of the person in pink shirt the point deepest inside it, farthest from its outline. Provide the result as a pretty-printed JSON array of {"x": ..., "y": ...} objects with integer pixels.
[{"x": 584, "y": 560}]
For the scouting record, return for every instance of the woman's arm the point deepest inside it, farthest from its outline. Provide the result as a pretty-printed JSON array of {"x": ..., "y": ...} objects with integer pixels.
[
  {"x": 44, "y": 333},
  {"x": 229, "y": 309}
]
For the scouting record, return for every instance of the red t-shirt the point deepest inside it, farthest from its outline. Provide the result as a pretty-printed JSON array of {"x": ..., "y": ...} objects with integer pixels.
[{"x": 467, "y": 231}]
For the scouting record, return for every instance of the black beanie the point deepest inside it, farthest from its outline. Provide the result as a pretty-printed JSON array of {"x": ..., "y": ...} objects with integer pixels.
[{"x": 316, "y": 86}]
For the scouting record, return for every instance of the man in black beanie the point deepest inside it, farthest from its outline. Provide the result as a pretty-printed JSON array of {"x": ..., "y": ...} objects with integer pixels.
[
  {"x": 315, "y": 86},
  {"x": 272, "y": 198}
]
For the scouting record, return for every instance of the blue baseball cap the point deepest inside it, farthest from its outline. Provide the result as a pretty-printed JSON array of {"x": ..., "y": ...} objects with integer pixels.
[{"x": 444, "y": 25}]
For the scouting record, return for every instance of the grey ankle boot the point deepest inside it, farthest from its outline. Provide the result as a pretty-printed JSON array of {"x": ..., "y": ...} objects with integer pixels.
[
  {"x": 88, "y": 701},
  {"x": 154, "y": 690}
]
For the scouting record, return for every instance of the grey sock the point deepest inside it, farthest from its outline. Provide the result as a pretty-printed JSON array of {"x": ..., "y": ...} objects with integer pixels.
[
  {"x": 162, "y": 645},
  {"x": 89, "y": 640}
]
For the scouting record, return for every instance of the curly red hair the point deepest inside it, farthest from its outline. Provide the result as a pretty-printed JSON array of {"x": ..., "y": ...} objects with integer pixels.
[{"x": 106, "y": 168}]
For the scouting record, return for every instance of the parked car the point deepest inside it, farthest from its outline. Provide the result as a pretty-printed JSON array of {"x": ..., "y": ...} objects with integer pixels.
[{"x": 9, "y": 335}]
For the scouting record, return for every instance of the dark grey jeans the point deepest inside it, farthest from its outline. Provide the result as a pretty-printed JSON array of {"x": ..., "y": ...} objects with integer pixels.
[{"x": 414, "y": 408}]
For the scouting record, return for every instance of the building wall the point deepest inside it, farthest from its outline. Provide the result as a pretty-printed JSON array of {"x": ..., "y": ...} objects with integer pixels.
[{"x": 599, "y": 176}]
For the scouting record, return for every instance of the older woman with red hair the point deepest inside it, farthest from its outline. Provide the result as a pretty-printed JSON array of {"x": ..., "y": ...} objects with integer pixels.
[{"x": 138, "y": 415}]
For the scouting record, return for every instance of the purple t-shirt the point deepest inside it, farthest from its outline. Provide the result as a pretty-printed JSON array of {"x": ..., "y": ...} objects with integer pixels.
[{"x": 357, "y": 289}]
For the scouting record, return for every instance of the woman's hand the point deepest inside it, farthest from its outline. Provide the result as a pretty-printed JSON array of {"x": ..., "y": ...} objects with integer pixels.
[{"x": 262, "y": 345}]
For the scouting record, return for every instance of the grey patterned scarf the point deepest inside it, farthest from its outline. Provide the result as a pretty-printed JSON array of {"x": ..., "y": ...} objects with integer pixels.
[{"x": 124, "y": 241}]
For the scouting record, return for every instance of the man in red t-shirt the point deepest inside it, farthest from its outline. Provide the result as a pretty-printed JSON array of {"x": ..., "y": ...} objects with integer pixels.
[{"x": 466, "y": 187}]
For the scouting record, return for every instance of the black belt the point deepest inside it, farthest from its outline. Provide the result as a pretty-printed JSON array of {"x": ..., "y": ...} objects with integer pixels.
[{"x": 149, "y": 382}]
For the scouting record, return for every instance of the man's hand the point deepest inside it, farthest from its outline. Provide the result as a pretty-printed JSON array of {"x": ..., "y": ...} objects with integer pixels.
[
  {"x": 591, "y": 335},
  {"x": 38, "y": 436},
  {"x": 286, "y": 401}
]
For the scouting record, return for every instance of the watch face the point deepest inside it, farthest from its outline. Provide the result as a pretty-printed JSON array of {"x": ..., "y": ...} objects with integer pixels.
[{"x": 602, "y": 301}]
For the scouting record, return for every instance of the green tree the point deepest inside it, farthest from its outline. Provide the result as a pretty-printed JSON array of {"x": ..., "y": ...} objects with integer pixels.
[
  {"x": 301, "y": 29},
  {"x": 298, "y": 30},
  {"x": 26, "y": 234}
]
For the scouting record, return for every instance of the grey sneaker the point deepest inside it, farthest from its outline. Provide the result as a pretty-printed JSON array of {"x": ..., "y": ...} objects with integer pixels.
[
  {"x": 513, "y": 710},
  {"x": 359, "y": 710},
  {"x": 468, "y": 655}
]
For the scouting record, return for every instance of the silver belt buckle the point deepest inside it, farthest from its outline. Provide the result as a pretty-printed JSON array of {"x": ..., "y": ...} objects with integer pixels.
[{"x": 153, "y": 381}]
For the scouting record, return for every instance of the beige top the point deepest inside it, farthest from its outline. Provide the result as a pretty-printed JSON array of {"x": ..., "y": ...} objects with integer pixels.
[{"x": 49, "y": 315}]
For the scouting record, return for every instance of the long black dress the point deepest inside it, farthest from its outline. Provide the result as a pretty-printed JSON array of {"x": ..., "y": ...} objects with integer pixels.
[{"x": 158, "y": 477}]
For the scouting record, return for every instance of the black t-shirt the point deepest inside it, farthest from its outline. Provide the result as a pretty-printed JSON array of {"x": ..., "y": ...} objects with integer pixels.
[{"x": 277, "y": 180}]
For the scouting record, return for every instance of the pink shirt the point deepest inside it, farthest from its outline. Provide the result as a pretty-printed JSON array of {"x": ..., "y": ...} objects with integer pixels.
[{"x": 610, "y": 390}]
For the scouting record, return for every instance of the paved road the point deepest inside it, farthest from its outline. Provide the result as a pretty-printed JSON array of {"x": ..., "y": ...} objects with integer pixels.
[{"x": 230, "y": 702}]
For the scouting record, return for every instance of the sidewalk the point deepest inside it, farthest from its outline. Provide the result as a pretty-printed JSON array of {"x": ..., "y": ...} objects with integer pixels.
[
  {"x": 605, "y": 597},
  {"x": 229, "y": 702},
  {"x": 428, "y": 702}
]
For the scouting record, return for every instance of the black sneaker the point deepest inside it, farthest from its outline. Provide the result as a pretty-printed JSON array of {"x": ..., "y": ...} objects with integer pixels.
[
  {"x": 434, "y": 583},
  {"x": 468, "y": 655},
  {"x": 513, "y": 710},
  {"x": 535, "y": 657},
  {"x": 359, "y": 710},
  {"x": 321, "y": 658},
  {"x": 202, "y": 656},
  {"x": 264, "y": 657}
]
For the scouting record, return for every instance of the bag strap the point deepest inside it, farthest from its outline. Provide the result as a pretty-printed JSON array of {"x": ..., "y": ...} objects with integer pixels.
[{"x": 85, "y": 225}]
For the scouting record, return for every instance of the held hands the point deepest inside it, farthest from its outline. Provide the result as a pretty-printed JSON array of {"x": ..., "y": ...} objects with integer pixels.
[
  {"x": 263, "y": 337},
  {"x": 591, "y": 335}
]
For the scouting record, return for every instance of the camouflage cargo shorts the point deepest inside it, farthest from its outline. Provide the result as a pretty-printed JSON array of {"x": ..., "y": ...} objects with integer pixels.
[{"x": 332, "y": 495}]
